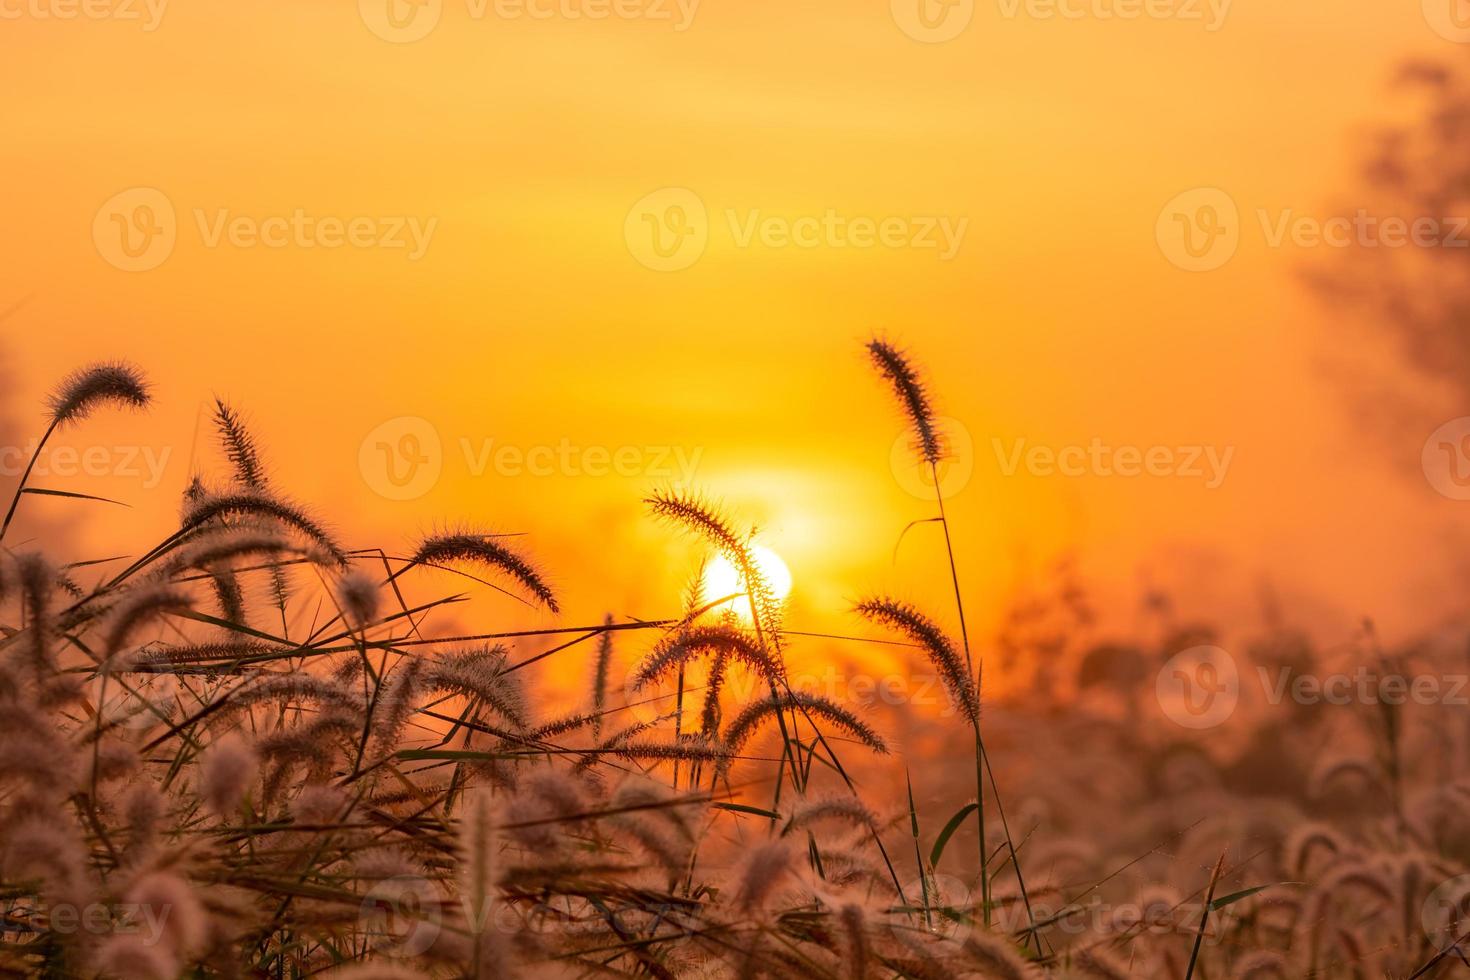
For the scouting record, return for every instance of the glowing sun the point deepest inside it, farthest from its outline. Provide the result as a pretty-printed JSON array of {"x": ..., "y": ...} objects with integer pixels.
[{"x": 722, "y": 578}]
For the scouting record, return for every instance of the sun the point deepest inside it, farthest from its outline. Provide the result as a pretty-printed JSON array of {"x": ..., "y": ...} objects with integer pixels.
[{"x": 722, "y": 578}]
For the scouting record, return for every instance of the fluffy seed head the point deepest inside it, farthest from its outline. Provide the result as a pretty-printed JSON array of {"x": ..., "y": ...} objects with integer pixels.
[
  {"x": 239, "y": 447},
  {"x": 481, "y": 548},
  {"x": 765, "y": 868},
  {"x": 678, "y": 648},
  {"x": 132, "y": 957},
  {"x": 920, "y": 629},
  {"x": 168, "y": 899},
  {"x": 479, "y": 672},
  {"x": 599, "y": 676},
  {"x": 845, "y": 808},
  {"x": 139, "y": 607},
  {"x": 257, "y": 505},
  {"x": 89, "y": 388},
  {"x": 358, "y": 592},
  {"x": 691, "y": 512},
  {"x": 226, "y": 772},
  {"x": 758, "y": 712},
  {"x": 912, "y": 395}
]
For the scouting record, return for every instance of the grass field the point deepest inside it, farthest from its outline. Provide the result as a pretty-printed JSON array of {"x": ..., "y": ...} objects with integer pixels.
[{"x": 250, "y": 750}]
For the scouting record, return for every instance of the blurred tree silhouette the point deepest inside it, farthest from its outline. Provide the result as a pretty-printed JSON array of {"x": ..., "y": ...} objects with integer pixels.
[{"x": 1416, "y": 297}]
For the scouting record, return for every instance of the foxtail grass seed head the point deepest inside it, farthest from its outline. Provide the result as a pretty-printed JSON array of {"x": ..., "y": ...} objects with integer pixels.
[
  {"x": 853, "y": 918},
  {"x": 358, "y": 592},
  {"x": 36, "y": 580},
  {"x": 913, "y": 396},
  {"x": 815, "y": 706},
  {"x": 260, "y": 506},
  {"x": 481, "y": 548},
  {"x": 227, "y": 771},
  {"x": 132, "y": 957},
  {"x": 226, "y": 546},
  {"x": 694, "y": 514},
  {"x": 937, "y": 647},
  {"x": 478, "y": 850},
  {"x": 84, "y": 391},
  {"x": 481, "y": 673},
  {"x": 766, "y": 868},
  {"x": 139, "y": 607},
  {"x": 678, "y": 648},
  {"x": 847, "y": 809},
  {"x": 239, "y": 447},
  {"x": 176, "y": 907},
  {"x": 397, "y": 703},
  {"x": 599, "y": 674}
]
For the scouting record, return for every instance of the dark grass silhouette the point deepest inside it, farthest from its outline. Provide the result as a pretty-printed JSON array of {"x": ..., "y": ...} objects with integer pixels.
[{"x": 191, "y": 785}]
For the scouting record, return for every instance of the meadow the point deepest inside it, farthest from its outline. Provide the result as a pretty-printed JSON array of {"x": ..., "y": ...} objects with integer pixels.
[{"x": 250, "y": 750}]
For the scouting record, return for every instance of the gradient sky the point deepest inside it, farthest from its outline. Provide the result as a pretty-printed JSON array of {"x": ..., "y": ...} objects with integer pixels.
[{"x": 529, "y": 320}]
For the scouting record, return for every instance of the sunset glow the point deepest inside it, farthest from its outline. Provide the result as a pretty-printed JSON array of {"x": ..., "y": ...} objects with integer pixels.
[
  {"x": 1088, "y": 382},
  {"x": 722, "y": 578}
]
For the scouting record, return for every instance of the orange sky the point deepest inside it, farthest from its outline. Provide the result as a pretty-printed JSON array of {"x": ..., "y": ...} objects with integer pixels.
[{"x": 528, "y": 319}]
